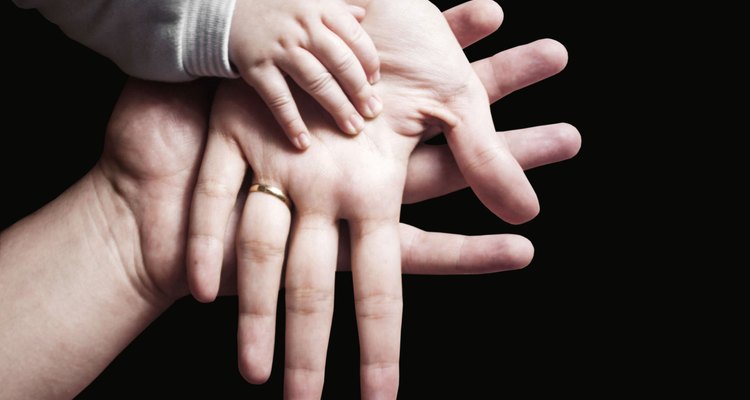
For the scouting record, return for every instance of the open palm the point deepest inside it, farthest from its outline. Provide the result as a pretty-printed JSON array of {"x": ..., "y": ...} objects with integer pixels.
[{"x": 358, "y": 180}]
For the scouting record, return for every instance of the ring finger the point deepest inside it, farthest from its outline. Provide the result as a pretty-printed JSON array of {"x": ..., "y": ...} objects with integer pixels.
[{"x": 261, "y": 244}]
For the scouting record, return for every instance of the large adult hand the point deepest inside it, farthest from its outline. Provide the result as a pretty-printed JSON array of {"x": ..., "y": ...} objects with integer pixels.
[
  {"x": 502, "y": 74},
  {"x": 263, "y": 238},
  {"x": 434, "y": 86},
  {"x": 156, "y": 136}
]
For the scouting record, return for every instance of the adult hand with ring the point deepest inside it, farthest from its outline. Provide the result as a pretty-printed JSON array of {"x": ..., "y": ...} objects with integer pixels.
[{"x": 360, "y": 180}]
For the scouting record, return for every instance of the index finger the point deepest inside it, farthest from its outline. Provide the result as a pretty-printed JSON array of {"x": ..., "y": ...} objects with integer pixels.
[
  {"x": 520, "y": 66},
  {"x": 474, "y": 20}
]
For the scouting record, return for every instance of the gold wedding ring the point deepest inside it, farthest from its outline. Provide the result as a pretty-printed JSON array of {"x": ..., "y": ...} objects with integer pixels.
[{"x": 273, "y": 191}]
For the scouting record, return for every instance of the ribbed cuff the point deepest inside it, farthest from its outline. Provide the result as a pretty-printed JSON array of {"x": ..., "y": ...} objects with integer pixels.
[{"x": 205, "y": 44}]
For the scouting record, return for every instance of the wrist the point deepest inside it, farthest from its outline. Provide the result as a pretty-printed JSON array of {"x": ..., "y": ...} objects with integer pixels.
[
  {"x": 115, "y": 233},
  {"x": 207, "y": 54},
  {"x": 70, "y": 269}
]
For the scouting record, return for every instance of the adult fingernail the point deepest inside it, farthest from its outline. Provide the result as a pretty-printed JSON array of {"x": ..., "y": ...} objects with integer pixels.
[
  {"x": 374, "y": 107},
  {"x": 303, "y": 140},
  {"x": 355, "y": 124}
]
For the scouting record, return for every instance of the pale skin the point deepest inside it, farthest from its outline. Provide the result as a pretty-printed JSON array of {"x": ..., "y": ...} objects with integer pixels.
[
  {"x": 99, "y": 263},
  {"x": 321, "y": 46},
  {"x": 359, "y": 180}
]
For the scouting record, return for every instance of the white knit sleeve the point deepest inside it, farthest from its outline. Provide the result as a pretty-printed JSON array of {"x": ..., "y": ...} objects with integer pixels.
[{"x": 164, "y": 40}]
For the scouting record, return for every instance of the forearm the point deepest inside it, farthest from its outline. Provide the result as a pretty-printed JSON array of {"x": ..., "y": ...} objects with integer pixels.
[
  {"x": 162, "y": 40},
  {"x": 68, "y": 302}
]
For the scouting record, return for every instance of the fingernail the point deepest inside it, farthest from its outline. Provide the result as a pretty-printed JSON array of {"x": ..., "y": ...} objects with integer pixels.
[
  {"x": 303, "y": 140},
  {"x": 357, "y": 11},
  {"x": 355, "y": 124},
  {"x": 373, "y": 107},
  {"x": 375, "y": 78}
]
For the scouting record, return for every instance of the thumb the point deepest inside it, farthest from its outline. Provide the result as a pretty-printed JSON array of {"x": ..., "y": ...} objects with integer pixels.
[{"x": 485, "y": 160}]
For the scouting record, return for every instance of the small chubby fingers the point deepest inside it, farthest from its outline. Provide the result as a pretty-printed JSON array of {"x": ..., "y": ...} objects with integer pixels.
[
  {"x": 433, "y": 172},
  {"x": 356, "y": 11},
  {"x": 348, "y": 28},
  {"x": 261, "y": 246},
  {"x": 215, "y": 194},
  {"x": 273, "y": 88},
  {"x": 317, "y": 80},
  {"x": 309, "y": 291}
]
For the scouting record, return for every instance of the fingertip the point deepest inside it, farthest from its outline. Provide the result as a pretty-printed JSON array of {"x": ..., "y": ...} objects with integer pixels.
[
  {"x": 357, "y": 11},
  {"x": 354, "y": 124},
  {"x": 204, "y": 269},
  {"x": 301, "y": 141},
  {"x": 527, "y": 209},
  {"x": 202, "y": 288},
  {"x": 370, "y": 60},
  {"x": 518, "y": 252},
  {"x": 375, "y": 76},
  {"x": 554, "y": 52},
  {"x": 474, "y": 20},
  {"x": 489, "y": 16},
  {"x": 373, "y": 106},
  {"x": 251, "y": 368},
  {"x": 570, "y": 139}
]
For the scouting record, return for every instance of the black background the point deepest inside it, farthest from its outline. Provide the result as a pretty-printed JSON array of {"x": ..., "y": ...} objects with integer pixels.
[{"x": 552, "y": 325}]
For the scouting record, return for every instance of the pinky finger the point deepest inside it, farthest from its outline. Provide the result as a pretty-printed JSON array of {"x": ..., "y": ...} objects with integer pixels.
[
  {"x": 357, "y": 11},
  {"x": 274, "y": 90},
  {"x": 437, "y": 253}
]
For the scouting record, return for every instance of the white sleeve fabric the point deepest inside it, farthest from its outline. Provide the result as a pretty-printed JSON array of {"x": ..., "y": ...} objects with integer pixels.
[{"x": 162, "y": 40}]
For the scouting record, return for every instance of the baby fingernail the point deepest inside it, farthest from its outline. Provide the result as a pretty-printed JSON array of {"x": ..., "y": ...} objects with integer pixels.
[
  {"x": 303, "y": 140},
  {"x": 355, "y": 124},
  {"x": 374, "y": 106},
  {"x": 375, "y": 77}
]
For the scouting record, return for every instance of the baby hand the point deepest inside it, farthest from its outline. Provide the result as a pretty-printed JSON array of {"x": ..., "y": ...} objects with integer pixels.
[{"x": 321, "y": 46}]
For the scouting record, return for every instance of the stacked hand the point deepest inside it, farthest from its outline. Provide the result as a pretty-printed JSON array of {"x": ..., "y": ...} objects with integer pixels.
[
  {"x": 359, "y": 180},
  {"x": 109, "y": 255},
  {"x": 321, "y": 45}
]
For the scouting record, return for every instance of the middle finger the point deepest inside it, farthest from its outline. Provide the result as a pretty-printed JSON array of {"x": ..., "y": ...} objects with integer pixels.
[{"x": 310, "y": 282}]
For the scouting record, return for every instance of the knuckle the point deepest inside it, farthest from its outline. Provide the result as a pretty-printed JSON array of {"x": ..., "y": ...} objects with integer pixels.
[
  {"x": 256, "y": 72},
  {"x": 483, "y": 158},
  {"x": 308, "y": 300},
  {"x": 198, "y": 238},
  {"x": 213, "y": 188},
  {"x": 320, "y": 83},
  {"x": 261, "y": 251},
  {"x": 305, "y": 378},
  {"x": 376, "y": 224},
  {"x": 381, "y": 378},
  {"x": 354, "y": 32},
  {"x": 344, "y": 64},
  {"x": 378, "y": 305},
  {"x": 259, "y": 311},
  {"x": 279, "y": 100}
]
